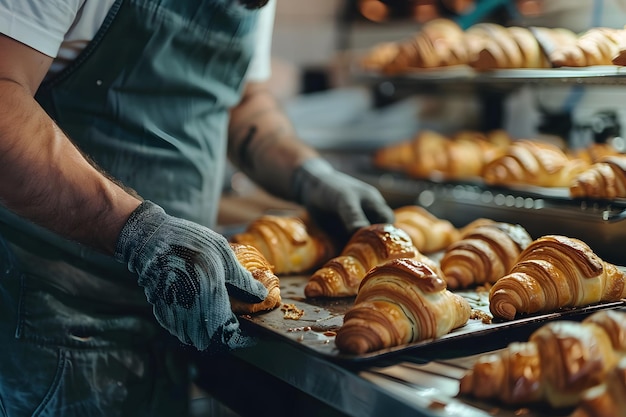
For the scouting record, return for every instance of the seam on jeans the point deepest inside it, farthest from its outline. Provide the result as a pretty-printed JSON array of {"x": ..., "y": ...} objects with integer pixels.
[
  {"x": 20, "y": 307},
  {"x": 56, "y": 383}
]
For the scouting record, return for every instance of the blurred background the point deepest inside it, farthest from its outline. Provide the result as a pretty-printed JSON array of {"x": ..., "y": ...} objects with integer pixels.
[
  {"x": 316, "y": 44},
  {"x": 348, "y": 113}
]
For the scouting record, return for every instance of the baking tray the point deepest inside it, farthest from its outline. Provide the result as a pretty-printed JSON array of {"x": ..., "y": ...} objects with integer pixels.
[{"x": 315, "y": 331}]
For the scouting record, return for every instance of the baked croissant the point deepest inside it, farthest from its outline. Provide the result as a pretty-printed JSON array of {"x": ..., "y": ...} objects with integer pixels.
[
  {"x": 465, "y": 156},
  {"x": 438, "y": 43},
  {"x": 251, "y": 259},
  {"x": 551, "y": 39},
  {"x": 427, "y": 232},
  {"x": 597, "y": 46},
  {"x": 508, "y": 47},
  {"x": 423, "y": 150},
  {"x": 555, "y": 272},
  {"x": 605, "y": 179},
  {"x": 560, "y": 361},
  {"x": 483, "y": 254},
  {"x": 528, "y": 162},
  {"x": 430, "y": 155},
  {"x": 288, "y": 243},
  {"x": 368, "y": 247},
  {"x": 379, "y": 56},
  {"x": 399, "y": 302}
]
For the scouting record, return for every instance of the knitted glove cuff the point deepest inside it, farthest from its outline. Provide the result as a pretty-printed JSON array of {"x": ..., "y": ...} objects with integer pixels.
[{"x": 140, "y": 226}]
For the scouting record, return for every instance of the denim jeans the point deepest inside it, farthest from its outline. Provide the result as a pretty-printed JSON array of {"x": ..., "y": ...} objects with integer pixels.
[{"x": 62, "y": 355}]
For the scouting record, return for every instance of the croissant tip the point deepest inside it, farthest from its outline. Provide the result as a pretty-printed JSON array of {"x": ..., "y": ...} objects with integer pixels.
[
  {"x": 351, "y": 345},
  {"x": 506, "y": 311},
  {"x": 313, "y": 289},
  {"x": 451, "y": 282}
]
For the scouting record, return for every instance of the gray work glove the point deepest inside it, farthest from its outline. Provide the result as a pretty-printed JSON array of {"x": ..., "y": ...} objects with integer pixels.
[
  {"x": 187, "y": 272},
  {"x": 331, "y": 196}
]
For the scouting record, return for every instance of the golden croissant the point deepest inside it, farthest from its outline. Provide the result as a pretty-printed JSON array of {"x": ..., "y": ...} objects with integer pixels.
[
  {"x": 596, "y": 46},
  {"x": 555, "y": 272},
  {"x": 424, "y": 151},
  {"x": 483, "y": 254},
  {"x": 507, "y": 47},
  {"x": 379, "y": 56},
  {"x": 535, "y": 163},
  {"x": 462, "y": 156},
  {"x": 558, "y": 364},
  {"x": 399, "y": 302},
  {"x": 251, "y": 259},
  {"x": 427, "y": 232},
  {"x": 289, "y": 243},
  {"x": 466, "y": 154},
  {"x": 605, "y": 179},
  {"x": 430, "y": 155},
  {"x": 368, "y": 247},
  {"x": 439, "y": 43}
]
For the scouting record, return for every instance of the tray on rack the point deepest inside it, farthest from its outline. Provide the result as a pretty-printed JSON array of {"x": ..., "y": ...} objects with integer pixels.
[
  {"x": 315, "y": 330},
  {"x": 600, "y": 223},
  {"x": 597, "y": 74}
]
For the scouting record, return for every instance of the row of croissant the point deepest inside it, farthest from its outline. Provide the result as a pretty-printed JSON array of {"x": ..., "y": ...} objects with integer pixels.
[
  {"x": 485, "y": 46},
  {"x": 577, "y": 368},
  {"x": 596, "y": 171},
  {"x": 403, "y": 296}
]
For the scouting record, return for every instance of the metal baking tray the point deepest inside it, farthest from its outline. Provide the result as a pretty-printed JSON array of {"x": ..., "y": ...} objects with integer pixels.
[{"x": 315, "y": 331}]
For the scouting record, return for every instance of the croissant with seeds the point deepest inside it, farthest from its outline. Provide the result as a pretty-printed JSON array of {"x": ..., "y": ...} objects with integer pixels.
[{"x": 369, "y": 246}]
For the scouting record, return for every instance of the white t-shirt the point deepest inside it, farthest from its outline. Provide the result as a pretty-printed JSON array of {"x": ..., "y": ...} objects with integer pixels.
[{"x": 62, "y": 28}]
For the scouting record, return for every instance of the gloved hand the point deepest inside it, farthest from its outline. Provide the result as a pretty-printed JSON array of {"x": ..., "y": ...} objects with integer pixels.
[
  {"x": 187, "y": 272},
  {"x": 326, "y": 192}
]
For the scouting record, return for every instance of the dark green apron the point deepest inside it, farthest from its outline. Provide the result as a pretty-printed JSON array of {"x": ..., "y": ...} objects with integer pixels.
[{"x": 148, "y": 99}]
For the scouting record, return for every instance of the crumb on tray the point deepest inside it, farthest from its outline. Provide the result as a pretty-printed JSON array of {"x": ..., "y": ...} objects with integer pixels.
[
  {"x": 480, "y": 315},
  {"x": 291, "y": 312}
]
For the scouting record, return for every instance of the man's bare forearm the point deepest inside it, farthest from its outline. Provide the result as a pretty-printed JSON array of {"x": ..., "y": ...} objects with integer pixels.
[
  {"x": 263, "y": 142},
  {"x": 48, "y": 181}
]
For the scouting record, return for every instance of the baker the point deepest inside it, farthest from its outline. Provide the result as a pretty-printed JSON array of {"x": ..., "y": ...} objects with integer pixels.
[{"x": 116, "y": 120}]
